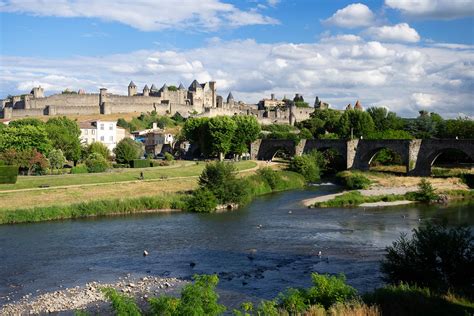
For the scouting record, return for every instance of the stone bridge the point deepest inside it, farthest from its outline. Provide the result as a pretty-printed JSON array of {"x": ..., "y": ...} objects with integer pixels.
[{"x": 417, "y": 155}]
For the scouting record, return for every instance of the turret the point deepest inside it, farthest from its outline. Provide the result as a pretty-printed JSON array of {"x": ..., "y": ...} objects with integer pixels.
[
  {"x": 317, "y": 103},
  {"x": 349, "y": 107},
  {"x": 153, "y": 89},
  {"x": 146, "y": 91},
  {"x": 212, "y": 86},
  {"x": 181, "y": 87},
  {"x": 132, "y": 89},
  {"x": 38, "y": 92},
  {"x": 230, "y": 98},
  {"x": 358, "y": 106}
]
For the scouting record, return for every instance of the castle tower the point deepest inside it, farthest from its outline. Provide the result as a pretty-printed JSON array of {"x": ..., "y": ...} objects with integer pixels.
[
  {"x": 132, "y": 89},
  {"x": 349, "y": 107},
  {"x": 153, "y": 89},
  {"x": 181, "y": 87},
  {"x": 212, "y": 86},
  {"x": 292, "y": 117},
  {"x": 230, "y": 98},
  {"x": 317, "y": 103},
  {"x": 358, "y": 106},
  {"x": 38, "y": 92},
  {"x": 146, "y": 91}
]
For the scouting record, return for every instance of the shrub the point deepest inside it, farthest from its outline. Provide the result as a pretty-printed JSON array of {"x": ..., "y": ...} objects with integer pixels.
[
  {"x": 121, "y": 165},
  {"x": 202, "y": 201},
  {"x": 293, "y": 301},
  {"x": 425, "y": 193},
  {"x": 127, "y": 150},
  {"x": 8, "y": 174},
  {"x": 98, "y": 147},
  {"x": 353, "y": 180},
  {"x": 122, "y": 305},
  {"x": 468, "y": 179},
  {"x": 96, "y": 163},
  {"x": 169, "y": 157},
  {"x": 328, "y": 290},
  {"x": 270, "y": 176},
  {"x": 163, "y": 305},
  {"x": 307, "y": 166},
  {"x": 140, "y": 163},
  {"x": 79, "y": 169},
  {"x": 56, "y": 159},
  {"x": 435, "y": 256},
  {"x": 200, "y": 298}
]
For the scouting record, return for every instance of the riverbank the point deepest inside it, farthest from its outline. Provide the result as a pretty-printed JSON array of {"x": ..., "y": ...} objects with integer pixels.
[
  {"x": 173, "y": 200},
  {"x": 390, "y": 190},
  {"x": 90, "y": 298}
]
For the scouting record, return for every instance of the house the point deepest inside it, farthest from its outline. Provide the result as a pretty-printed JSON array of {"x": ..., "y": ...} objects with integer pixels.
[
  {"x": 155, "y": 139},
  {"x": 105, "y": 132}
]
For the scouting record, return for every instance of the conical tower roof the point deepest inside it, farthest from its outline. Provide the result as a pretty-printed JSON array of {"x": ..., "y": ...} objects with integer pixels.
[
  {"x": 230, "y": 97},
  {"x": 165, "y": 86},
  {"x": 153, "y": 88},
  {"x": 131, "y": 84},
  {"x": 181, "y": 87},
  {"x": 194, "y": 85},
  {"x": 146, "y": 87},
  {"x": 358, "y": 106}
]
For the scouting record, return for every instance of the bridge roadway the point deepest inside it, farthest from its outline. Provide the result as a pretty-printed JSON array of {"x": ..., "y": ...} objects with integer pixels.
[{"x": 418, "y": 155}]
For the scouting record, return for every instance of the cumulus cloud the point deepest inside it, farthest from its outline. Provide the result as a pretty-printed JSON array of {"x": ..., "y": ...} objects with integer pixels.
[
  {"x": 401, "y": 32},
  {"x": 145, "y": 15},
  {"x": 397, "y": 75},
  {"x": 434, "y": 9},
  {"x": 354, "y": 15}
]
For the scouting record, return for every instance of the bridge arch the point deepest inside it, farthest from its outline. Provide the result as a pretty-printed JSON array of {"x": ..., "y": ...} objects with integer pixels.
[
  {"x": 368, "y": 149},
  {"x": 269, "y": 147}
]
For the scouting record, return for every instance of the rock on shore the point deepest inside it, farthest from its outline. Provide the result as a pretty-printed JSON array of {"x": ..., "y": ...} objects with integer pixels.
[{"x": 90, "y": 297}]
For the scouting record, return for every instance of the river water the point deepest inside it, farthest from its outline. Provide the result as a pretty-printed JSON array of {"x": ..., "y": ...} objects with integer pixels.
[{"x": 257, "y": 251}]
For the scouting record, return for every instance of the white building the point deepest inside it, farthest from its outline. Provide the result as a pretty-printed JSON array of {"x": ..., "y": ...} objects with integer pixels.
[{"x": 105, "y": 132}]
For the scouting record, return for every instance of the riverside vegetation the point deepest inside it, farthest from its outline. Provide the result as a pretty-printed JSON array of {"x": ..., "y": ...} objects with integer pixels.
[{"x": 424, "y": 278}]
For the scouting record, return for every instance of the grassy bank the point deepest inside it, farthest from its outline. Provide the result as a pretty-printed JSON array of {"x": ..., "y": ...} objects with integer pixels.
[
  {"x": 355, "y": 198},
  {"x": 104, "y": 207},
  {"x": 179, "y": 169}
]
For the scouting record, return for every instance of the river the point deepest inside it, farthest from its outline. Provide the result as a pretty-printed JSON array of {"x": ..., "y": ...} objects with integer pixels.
[{"x": 257, "y": 251}]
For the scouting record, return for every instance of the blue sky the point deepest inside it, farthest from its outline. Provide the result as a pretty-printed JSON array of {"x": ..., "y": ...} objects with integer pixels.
[{"x": 403, "y": 54}]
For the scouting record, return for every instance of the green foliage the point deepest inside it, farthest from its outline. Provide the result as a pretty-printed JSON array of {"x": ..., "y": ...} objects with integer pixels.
[
  {"x": 425, "y": 193},
  {"x": 26, "y": 122},
  {"x": 353, "y": 180},
  {"x": 281, "y": 131},
  {"x": 200, "y": 298},
  {"x": 64, "y": 134},
  {"x": 79, "y": 169},
  {"x": 56, "y": 159},
  {"x": 246, "y": 132},
  {"x": 8, "y": 174},
  {"x": 386, "y": 157},
  {"x": 98, "y": 147},
  {"x": 463, "y": 128},
  {"x": 218, "y": 178},
  {"x": 122, "y": 305},
  {"x": 427, "y": 125},
  {"x": 293, "y": 301},
  {"x": 96, "y": 163},
  {"x": 355, "y": 198},
  {"x": 359, "y": 122},
  {"x": 411, "y": 300},
  {"x": 389, "y": 134},
  {"x": 435, "y": 256},
  {"x": 25, "y": 138},
  {"x": 172, "y": 88},
  {"x": 309, "y": 165},
  {"x": 169, "y": 157},
  {"x": 29, "y": 160},
  {"x": 468, "y": 179},
  {"x": 127, "y": 150},
  {"x": 196, "y": 130},
  {"x": 328, "y": 290},
  {"x": 270, "y": 176},
  {"x": 301, "y": 104},
  {"x": 164, "y": 305},
  {"x": 140, "y": 163},
  {"x": 385, "y": 120},
  {"x": 202, "y": 201}
]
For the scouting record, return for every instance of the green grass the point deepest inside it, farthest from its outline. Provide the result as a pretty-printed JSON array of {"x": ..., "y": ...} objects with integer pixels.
[
  {"x": 185, "y": 169},
  {"x": 355, "y": 198}
]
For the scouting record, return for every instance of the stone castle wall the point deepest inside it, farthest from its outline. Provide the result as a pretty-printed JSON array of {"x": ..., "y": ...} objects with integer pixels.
[{"x": 69, "y": 100}]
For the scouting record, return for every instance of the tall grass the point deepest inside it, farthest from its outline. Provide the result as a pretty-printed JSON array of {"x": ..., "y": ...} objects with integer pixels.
[{"x": 355, "y": 198}]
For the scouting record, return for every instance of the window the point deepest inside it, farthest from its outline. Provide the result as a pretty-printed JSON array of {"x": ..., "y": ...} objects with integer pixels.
[
  {"x": 111, "y": 138},
  {"x": 101, "y": 127},
  {"x": 111, "y": 127},
  {"x": 102, "y": 138},
  {"x": 86, "y": 131},
  {"x": 93, "y": 132}
]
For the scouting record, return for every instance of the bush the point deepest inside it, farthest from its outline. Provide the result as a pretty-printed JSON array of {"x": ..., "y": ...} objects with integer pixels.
[
  {"x": 140, "y": 163},
  {"x": 96, "y": 163},
  {"x": 169, "y": 157},
  {"x": 308, "y": 165},
  {"x": 127, "y": 150},
  {"x": 435, "y": 256},
  {"x": 121, "y": 165},
  {"x": 425, "y": 193},
  {"x": 328, "y": 290},
  {"x": 122, "y": 305},
  {"x": 468, "y": 179},
  {"x": 202, "y": 201},
  {"x": 98, "y": 147},
  {"x": 8, "y": 174},
  {"x": 79, "y": 169},
  {"x": 353, "y": 180},
  {"x": 270, "y": 176}
]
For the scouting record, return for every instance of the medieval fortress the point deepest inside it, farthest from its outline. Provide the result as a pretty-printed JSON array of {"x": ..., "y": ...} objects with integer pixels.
[{"x": 197, "y": 100}]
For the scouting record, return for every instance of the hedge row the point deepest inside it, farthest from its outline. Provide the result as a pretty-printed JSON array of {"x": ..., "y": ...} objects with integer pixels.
[
  {"x": 140, "y": 163},
  {"x": 8, "y": 174}
]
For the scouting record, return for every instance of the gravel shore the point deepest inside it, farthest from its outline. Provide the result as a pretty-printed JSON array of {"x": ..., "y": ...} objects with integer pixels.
[{"x": 90, "y": 297}]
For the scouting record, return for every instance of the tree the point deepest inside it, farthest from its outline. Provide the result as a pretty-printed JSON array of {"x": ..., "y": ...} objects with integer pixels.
[
  {"x": 25, "y": 137},
  {"x": 384, "y": 120},
  {"x": 321, "y": 122},
  {"x": 462, "y": 128},
  {"x": 308, "y": 165},
  {"x": 98, "y": 147},
  {"x": 26, "y": 121},
  {"x": 356, "y": 123},
  {"x": 246, "y": 132},
  {"x": 127, "y": 150},
  {"x": 425, "y": 126},
  {"x": 64, "y": 134},
  {"x": 56, "y": 159},
  {"x": 196, "y": 130},
  {"x": 221, "y": 130},
  {"x": 436, "y": 256}
]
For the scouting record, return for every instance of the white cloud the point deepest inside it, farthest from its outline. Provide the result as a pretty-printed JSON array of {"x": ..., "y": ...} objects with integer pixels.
[
  {"x": 434, "y": 9},
  {"x": 397, "y": 75},
  {"x": 273, "y": 3},
  {"x": 354, "y": 15},
  {"x": 401, "y": 32},
  {"x": 145, "y": 15}
]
